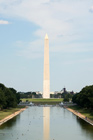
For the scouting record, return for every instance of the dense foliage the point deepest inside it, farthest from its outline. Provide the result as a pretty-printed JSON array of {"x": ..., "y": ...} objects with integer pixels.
[
  {"x": 8, "y": 97},
  {"x": 85, "y": 97},
  {"x": 30, "y": 95},
  {"x": 66, "y": 95}
]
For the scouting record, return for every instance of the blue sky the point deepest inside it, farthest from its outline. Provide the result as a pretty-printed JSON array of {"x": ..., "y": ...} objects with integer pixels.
[{"x": 69, "y": 25}]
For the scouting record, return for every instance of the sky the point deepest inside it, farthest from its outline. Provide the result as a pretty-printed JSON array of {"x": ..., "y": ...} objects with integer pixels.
[{"x": 23, "y": 26}]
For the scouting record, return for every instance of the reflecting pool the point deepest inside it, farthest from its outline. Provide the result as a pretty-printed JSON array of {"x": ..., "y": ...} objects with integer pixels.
[{"x": 46, "y": 123}]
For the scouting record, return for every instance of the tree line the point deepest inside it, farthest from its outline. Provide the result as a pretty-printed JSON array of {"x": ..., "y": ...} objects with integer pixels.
[
  {"x": 85, "y": 97},
  {"x": 67, "y": 96},
  {"x": 29, "y": 95},
  {"x": 8, "y": 97}
]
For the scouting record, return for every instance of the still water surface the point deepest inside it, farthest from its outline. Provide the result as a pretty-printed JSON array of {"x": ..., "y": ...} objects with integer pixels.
[{"x": 46, "y": 123}]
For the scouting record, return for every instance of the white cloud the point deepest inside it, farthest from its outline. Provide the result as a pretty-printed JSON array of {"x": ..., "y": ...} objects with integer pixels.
[
  {"x": 51, "y": 17},
  {"x": 91, "y": 9},
  {"x": 64, "y": 21},
  {"x": 4, "y": 22}
]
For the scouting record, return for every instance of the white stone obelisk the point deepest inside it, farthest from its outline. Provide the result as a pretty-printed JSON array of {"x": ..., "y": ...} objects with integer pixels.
[{"x": 46, "y": 82}]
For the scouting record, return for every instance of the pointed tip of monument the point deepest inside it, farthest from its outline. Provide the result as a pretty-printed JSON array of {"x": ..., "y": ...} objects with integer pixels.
[{"x": 46, "y": 37}]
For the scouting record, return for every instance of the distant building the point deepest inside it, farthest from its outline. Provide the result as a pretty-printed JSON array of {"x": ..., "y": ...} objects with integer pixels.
[
  {"x": 65, "y": 91},
  {"x": 56, "y": 92},
  {"x": 51, "y": 92}
]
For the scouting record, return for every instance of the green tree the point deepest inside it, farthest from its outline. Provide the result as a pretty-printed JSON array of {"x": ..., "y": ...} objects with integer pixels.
[
  {"x": 16, "y": 94},
  {"x": 66, "y": 99},
  {"x": 8, "y": 97},
  {"x": 2, "y": 99},
  {"x": 85, "y": 97},
  {"x": 11, "y": 99}
]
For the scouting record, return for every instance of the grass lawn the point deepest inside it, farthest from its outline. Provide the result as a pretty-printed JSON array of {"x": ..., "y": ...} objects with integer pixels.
[
  {"x": 42, "y": 100},
  {"x": 88, "y": 113},
  {"x": 6, "y": 112}
]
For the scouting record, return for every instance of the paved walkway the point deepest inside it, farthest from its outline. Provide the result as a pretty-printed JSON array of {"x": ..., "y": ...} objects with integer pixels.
[
  {"x": 81, "y": 116},
  {"x": 11, "y": 116}
]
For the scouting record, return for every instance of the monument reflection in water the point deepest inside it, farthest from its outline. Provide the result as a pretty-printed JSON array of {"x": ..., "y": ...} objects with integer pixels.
[{"x": 46, "y": 123}]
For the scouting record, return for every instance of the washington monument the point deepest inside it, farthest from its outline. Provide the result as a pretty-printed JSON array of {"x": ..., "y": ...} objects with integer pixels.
[{"x": 46, "y": 82}]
